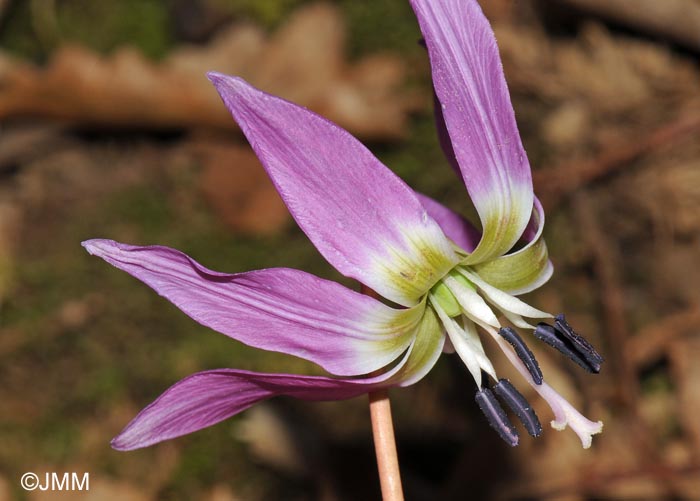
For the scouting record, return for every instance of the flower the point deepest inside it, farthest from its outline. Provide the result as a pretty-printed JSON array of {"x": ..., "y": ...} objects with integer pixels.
[{"x": 444, "y": 275}]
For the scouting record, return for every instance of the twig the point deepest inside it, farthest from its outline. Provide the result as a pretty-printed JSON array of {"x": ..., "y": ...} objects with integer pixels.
[
  {"x": 677, "y": 20},
  {"x": 595, "y": 484},
  {"x": 653, "y": 342},
  {"x": 384, "y": 441},
  {"x": 606, "y": 265},
  {"x": 556, "y": 183}
]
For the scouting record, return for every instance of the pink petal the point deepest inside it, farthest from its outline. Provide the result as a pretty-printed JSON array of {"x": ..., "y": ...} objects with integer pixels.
[
  {"x": 456, "y": 227},
  {"x": 206, "y": 398},
  {"x": 363, "y": 219},
  {"x": 279, "y": 309},
  {"x": 535, "y": 225},
  {"x": 473, "y": 96}
]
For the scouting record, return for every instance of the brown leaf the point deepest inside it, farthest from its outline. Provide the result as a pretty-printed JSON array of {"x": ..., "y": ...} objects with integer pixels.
[
  {"x": 221, "y": 492},
  {"x": 304, "y": 57},
  {"x": 676, "y": 20},
  {"x": 684, "y": 355},
  {"x": 653, "y": 342},
  {"x": 611, "y": 75},
  {"x": 236, "y": 185},
  {"x": 5, "y": 490},
  {"x": 303, "y": 61}
]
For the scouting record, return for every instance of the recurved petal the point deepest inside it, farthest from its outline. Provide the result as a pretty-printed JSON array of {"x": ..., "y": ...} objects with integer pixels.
[
  {"x": 479, "y": 119},
  {"x": 424, "y": 352},
  {"x": 363, "y": 219},
  {"x": 455, "y": 226},
  {"x": 277, "y": 309},
  {"x": 526, "y": 269},
  {"x": 206, "y": 398}
]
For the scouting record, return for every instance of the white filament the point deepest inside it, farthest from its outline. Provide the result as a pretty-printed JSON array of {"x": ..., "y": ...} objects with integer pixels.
[
  {"x": 502, "y": 300},
  {"x": 467, "y": 344},
  {"x": 471, "y": 302}
]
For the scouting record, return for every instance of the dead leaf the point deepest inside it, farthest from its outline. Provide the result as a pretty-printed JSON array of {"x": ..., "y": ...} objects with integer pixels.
[
  {"x": 652, "y": 343},
  {"x": 5, "y": 491},
  {"x": 676, "y": 20},
  {"x": 304, "y": 61},
  {"x": 684, "y": 355},
  {"x": 564, "y": 126},
  {"x": 299, "y": 64},
  {"x": 270, "y": 440},
  {"x": 221, "y": 492},
  {"x": 613, "y": 75},
  {"x": 234, "y": 182},
  {"x": 673, "y": 190}
]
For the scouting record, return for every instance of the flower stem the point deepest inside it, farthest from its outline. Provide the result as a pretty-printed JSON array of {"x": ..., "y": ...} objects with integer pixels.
[
  {"x": 384, "y": 441},
  {"x": 385, "y": 446}
]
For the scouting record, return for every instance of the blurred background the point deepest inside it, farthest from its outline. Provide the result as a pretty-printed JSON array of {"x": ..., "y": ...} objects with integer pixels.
[{"x": 108, "y": 128}]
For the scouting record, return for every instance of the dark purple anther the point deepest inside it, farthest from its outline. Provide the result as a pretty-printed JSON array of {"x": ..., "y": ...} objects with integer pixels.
[
  {"x": 518, "y": 404},
  {"x": 496, "y": 416},
  {"x": 579, "y": 342},
  {"x": 523, "y": 353},
  {"x": 548, "y": 334}
]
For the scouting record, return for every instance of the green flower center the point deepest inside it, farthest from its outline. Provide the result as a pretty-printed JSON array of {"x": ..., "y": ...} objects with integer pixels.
[{"x": 443, "y": 296}]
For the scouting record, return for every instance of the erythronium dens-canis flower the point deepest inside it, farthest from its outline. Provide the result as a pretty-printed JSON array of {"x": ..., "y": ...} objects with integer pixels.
[{"x": 448, "y": 279}]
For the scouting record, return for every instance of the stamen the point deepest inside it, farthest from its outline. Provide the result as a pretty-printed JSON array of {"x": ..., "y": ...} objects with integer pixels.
[
  {"x": 496, "y": 416},
  {"x": 472, "y": 304},
  {"x": 466, "y": 343},
  {"x": 580, "y": 343},
  {"x": 564, "y": 412},
  {"x": 518, "y": 404},
  {"x": 523, "y": 353},
  {"x": 548, "y": 334},
  {"x": 502, "y": 300}
]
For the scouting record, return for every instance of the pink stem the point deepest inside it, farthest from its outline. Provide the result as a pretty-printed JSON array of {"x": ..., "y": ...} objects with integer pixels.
[{"x": 384, "y": 441}]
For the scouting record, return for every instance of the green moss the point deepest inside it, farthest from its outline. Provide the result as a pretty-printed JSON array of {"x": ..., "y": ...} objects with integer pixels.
[
  {"x": 106, "y": 382},
  {"x": 269, "y": 13},
  {"x": 142, "y": 23},
  {"x": 58, "y": 440},
  {"x": 381, "y": 25},
  {"x": 142, "y": 206},
  {"x": 35, "y": 28},
  {"x": 18, "y": 34}
]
